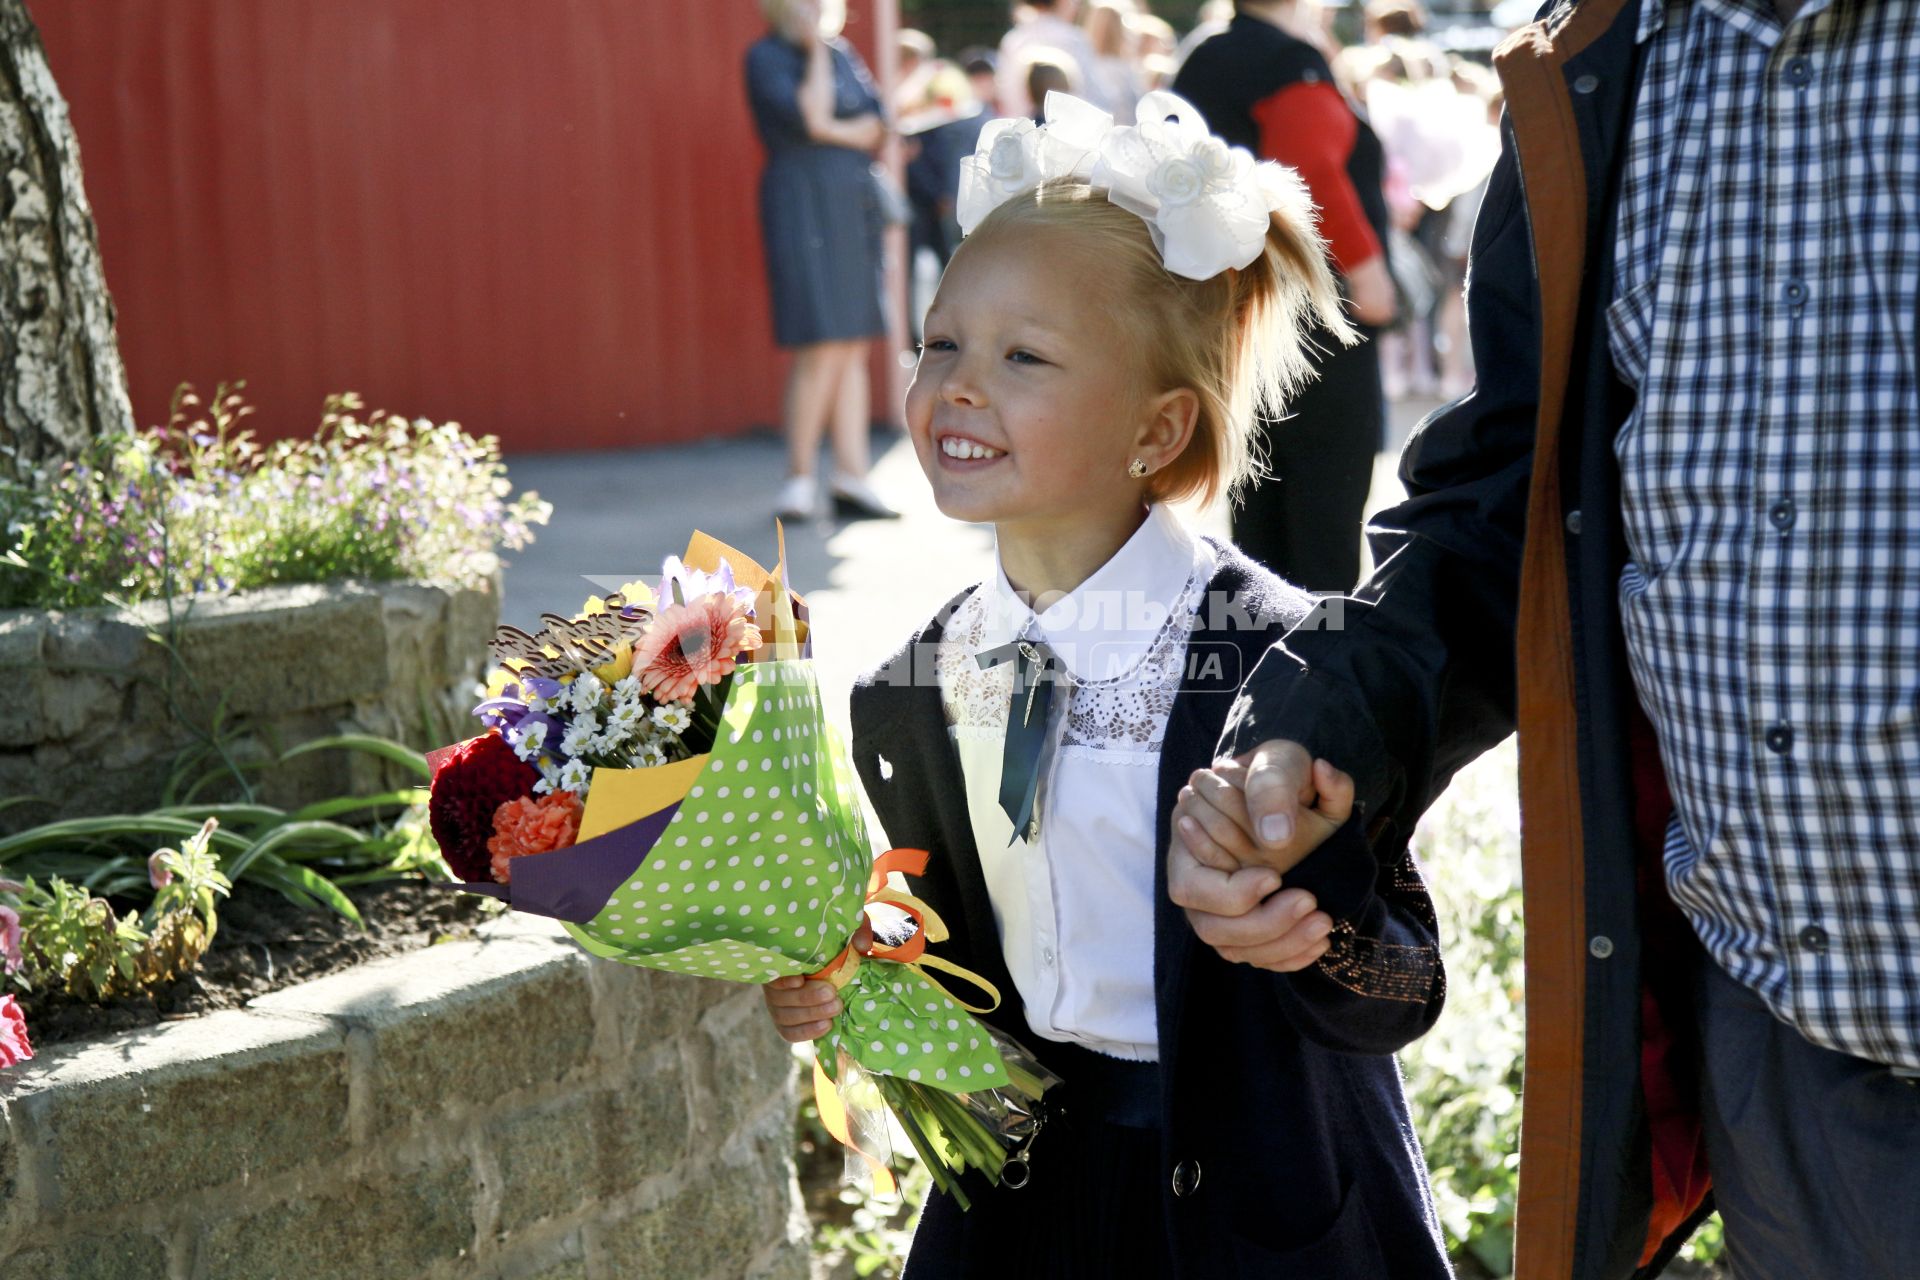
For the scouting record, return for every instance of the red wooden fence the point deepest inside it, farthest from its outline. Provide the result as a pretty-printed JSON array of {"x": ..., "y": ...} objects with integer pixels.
[{"x": 538, "y": 219}]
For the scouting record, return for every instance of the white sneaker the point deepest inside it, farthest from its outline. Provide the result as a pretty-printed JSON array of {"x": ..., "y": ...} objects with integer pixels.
[
  {"x": 855, "y": 499},
  {"x": 799, "y": 500}
]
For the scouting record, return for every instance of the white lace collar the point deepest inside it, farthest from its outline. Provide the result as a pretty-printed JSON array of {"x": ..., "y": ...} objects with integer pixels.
[{"x": 1104, "y": 628}]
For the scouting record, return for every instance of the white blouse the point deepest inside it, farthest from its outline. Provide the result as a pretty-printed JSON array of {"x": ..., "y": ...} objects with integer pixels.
[{"x": 1074, "y": 905}]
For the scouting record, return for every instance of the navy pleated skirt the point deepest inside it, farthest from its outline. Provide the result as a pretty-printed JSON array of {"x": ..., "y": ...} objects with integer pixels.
[
  {"x": 821, "y": 223},
  {"x": 1092, "y": 1208}
]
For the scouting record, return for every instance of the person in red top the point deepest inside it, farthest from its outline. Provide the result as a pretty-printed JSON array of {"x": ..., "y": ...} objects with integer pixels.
[{"x": 1263, "y": 85}]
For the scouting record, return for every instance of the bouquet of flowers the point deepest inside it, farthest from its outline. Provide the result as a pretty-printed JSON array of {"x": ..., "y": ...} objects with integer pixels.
[{"x": 657, "y": 774}]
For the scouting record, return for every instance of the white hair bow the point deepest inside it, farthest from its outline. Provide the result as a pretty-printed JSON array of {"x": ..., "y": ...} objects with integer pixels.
[{"x": 1206, "y": 204}]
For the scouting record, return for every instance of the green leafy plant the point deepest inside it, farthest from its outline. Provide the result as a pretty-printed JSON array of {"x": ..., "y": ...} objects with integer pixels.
[
  {"x": 201, "y": 505},
  {"x": 187, "y": 882},
  {"x": 1708, "y": 1245},
  {"x": 73, "y": 941},
  {"x": 1463, "y": 1077},
  {"x": 308, "y": 855}
]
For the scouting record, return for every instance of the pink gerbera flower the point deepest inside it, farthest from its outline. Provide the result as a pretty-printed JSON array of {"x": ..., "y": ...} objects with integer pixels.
[{"x": 693, "y": 644}]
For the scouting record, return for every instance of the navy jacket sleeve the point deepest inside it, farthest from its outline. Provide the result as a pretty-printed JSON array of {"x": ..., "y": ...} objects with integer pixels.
[
  {"x": 1381, "y": 984},
  {"x": 1417, "y": 677}
]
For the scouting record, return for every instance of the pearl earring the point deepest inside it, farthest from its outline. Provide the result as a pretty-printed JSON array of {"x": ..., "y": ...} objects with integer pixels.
[{"x": 1138, "y": 469}]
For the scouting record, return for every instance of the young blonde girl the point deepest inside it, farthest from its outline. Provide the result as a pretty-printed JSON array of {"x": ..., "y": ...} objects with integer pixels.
[{"x": 1096, "y": 351}]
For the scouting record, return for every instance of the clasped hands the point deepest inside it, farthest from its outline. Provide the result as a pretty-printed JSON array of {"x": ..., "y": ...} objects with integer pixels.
[{"x": 1238, "y": 828}]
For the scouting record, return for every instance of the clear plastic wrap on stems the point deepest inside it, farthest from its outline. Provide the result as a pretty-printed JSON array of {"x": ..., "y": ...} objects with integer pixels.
[{"x": 987, "y": 1130}]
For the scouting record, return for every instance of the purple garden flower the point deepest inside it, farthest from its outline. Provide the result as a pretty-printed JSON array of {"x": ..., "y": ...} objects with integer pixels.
[{"x": 694, "y": 583}]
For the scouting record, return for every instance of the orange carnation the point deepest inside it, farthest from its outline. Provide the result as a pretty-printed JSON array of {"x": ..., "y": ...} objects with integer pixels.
[{"x": 527, "y": 826}]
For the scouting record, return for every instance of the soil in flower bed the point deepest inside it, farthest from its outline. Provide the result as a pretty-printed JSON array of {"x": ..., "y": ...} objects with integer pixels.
[{"x": 265, "y": 943}]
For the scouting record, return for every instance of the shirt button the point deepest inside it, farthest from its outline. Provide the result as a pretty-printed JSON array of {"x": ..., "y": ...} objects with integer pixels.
[
  {"x": 1814, "y": 939},
  {"x": 1779, "y": 739},
  {"x": 1783, "y": 513},
  {"x": 1586, "y": 84},
  {"x": 1799, "y": 72},
  {"x": 1573, "y": 520},
  {"x": 1046, "y": 957},
  {"x": 1186, "y": 1177},
  {"x": 1795, "y": 292},
  {"x": 1601, "y": 947}
]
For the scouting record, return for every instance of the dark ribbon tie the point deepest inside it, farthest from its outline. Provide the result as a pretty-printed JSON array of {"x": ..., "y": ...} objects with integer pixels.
[{"x": 1027, "y": 711}]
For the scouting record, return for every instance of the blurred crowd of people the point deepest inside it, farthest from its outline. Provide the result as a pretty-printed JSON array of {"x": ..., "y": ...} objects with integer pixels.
[
  {"x": 1394, "y": 134},
  {"x": 1434, "y": 109}
]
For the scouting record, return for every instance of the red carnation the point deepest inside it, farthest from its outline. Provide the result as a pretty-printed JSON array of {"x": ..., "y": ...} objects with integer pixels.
[{"x": 470, "y": 782}]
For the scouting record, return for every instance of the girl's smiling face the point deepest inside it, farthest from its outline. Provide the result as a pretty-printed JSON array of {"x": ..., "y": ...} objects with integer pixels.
[{"x": 1030, "y": 399}]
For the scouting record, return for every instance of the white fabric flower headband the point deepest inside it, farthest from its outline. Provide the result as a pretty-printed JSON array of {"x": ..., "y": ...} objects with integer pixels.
[{"x": 1206, "y": 204}]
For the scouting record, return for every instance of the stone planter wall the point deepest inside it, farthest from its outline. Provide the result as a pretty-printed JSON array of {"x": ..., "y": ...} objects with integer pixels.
[
  {"x": 96, "y": 711},
  {"x": 507, "y": 1108}
]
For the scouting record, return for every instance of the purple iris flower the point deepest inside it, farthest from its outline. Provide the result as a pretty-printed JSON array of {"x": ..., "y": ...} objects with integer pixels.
[
  {"x": 502, "y": 713},
  {"x": 555, "y": 729},
  {"x": 695, "y": 583}
]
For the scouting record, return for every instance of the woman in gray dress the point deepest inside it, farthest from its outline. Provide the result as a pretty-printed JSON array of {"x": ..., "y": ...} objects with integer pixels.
[{"x": 820, "y": 119}]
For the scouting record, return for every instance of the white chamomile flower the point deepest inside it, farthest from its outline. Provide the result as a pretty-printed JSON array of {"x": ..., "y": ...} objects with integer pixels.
[
  {"x": 585, "y": 692},
  {"x": 579, "y": 738},
  {"x": 672, "y": 717},
  {"x": 604, "y": 744},
  {"x": 626, "y": 720},
  {"x": 542, "y": 787},
  {"x": 573, "y": 776},
  {"x": 528, "y": 739},
  {"x": 651, "y": 755},
  {"x": 627, "y": 689}
]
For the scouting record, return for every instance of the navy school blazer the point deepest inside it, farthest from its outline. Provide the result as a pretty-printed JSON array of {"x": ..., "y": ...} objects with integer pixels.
[{"x": 1280, "y": 1094}]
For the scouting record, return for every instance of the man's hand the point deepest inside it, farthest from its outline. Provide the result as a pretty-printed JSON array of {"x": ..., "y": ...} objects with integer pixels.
[
  {"x": 1270, "y": 808},
  {"x": 1232, "y": 912}
]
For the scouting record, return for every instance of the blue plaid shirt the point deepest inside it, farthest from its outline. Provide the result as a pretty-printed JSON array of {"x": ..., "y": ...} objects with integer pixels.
[{"x": 1765, "y": 285}]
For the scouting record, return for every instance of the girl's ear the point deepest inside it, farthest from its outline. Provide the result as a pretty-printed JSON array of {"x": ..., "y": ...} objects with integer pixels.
[{"x": 1168, "y": 427}]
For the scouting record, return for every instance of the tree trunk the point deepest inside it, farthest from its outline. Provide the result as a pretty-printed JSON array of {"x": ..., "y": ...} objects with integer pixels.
[{"x": 61, "y": 380}]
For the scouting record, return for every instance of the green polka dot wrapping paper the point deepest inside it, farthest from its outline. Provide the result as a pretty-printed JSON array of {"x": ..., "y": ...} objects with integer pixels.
[
  {"x": 761, "y": 871},
  {"x": 752, "y": 863}
]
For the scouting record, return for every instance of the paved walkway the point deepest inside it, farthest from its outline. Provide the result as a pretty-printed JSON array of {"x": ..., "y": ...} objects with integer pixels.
[{"x": 617, "y": 515}]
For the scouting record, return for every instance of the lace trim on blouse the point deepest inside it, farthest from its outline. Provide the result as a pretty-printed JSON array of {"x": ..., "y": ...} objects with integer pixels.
[{"x": 1127, "y": 712}]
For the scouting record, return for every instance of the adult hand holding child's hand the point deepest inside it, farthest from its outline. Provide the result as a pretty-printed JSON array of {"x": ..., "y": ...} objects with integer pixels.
[
  {"x": 1225, "y": 879},
  {"x": 1271, "y": 808}
]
